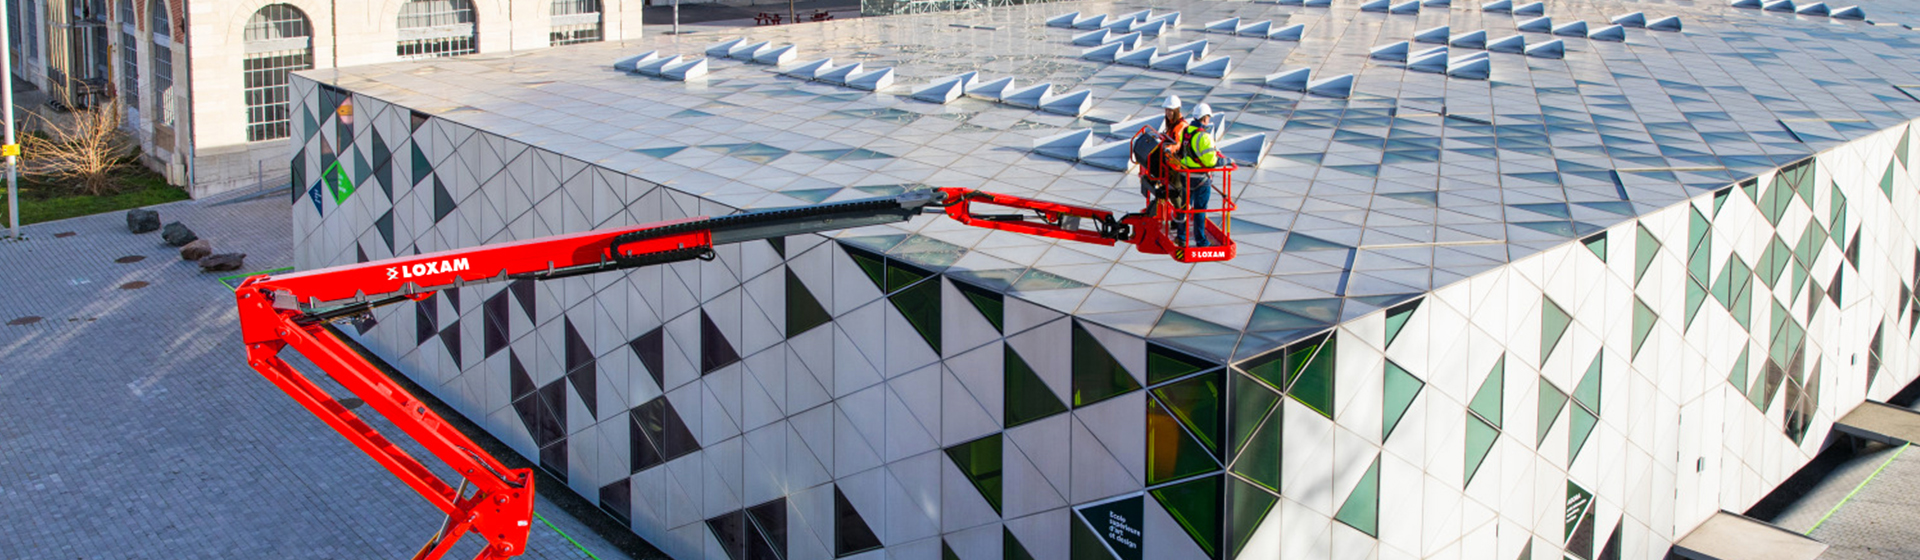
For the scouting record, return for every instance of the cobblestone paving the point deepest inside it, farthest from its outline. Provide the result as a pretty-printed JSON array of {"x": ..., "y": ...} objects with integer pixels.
[{"x": 131, "y": 428}]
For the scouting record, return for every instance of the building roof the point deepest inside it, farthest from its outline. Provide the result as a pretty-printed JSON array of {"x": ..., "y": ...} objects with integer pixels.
[{"x": 1413, "y": 181}]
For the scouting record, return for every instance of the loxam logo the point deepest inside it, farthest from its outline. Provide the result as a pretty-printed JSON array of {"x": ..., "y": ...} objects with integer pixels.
[
  {"x": 417, "y": 270},
  {"x": 1208, "y": 253}
]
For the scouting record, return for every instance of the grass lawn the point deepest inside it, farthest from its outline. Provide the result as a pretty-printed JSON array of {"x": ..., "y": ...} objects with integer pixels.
[{"x": 42, "y": 200}]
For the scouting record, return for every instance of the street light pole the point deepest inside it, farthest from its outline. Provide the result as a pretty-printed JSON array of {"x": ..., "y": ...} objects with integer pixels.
[
  {"x": 676, "y": 18},
  {"x": 12, "y": 150}
]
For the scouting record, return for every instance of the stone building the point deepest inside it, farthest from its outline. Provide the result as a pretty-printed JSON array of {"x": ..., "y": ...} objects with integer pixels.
[{"x": 204, "y": 84}]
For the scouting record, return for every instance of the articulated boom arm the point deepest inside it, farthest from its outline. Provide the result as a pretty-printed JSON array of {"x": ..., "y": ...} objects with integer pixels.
[{"x": 292, "y": 311}]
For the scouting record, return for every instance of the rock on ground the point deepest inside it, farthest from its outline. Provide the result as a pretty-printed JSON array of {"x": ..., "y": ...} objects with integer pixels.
[
  {"x": 223, "y": 262},
  {"x": 141, "y": 220},
  {"x": 196, "y": 250},
  {"x": 177, "y": 234}
]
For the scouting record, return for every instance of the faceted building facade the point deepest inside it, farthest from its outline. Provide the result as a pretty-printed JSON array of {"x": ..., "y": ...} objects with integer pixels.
[{"x": 1566, "y": 311}]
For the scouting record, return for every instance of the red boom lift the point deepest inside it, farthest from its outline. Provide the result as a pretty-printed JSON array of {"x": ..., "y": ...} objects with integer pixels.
[{"x": 292, "y": 311}]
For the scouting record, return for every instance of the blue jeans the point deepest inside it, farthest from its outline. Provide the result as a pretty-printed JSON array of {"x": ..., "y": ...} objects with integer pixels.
[{"x": 1200, "y": 187}]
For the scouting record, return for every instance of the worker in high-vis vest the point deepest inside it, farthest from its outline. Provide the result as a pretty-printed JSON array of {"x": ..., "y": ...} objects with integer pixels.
[{"x": 1197, "y": 152}]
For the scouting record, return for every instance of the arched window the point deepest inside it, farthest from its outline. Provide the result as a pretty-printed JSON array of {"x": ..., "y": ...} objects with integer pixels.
[
  {"x": 430, "y": 28},
  {"x": 129, "y": 60},
  {"x": 279, "y": 41},
  {"x": 160, "y": 21},
  {"x": 575, "y": 21}
]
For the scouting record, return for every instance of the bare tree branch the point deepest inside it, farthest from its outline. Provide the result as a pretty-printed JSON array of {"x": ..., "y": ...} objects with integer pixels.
[{"x": 84, "y": 151}]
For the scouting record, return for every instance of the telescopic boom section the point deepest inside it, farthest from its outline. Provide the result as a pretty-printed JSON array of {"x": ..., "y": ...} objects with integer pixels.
[{"x": 292, "y": 311}]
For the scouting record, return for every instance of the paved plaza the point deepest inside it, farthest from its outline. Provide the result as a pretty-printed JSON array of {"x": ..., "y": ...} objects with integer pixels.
[
  {"x": 1875, "y": 494},
  {"x": 131, "y": 427}
]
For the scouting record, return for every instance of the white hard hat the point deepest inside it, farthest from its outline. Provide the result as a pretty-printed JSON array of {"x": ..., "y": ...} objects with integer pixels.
[
  {"x": 1202, "y": 110},
  {"x": 1173, "y": 102}
]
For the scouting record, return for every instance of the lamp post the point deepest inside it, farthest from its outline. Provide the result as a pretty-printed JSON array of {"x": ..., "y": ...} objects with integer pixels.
[{"x": 11, "y": 149}]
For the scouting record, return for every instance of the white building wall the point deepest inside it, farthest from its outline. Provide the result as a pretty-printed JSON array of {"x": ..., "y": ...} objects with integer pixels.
[{"x": 1663, "y": 404}]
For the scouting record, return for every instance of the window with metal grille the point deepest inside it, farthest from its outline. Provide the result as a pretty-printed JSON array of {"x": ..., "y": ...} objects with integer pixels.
[
  {"x": 279, "y": 41},
  {"x": 575, "y": 21},
  {"x": 30, "y": 21},
  {"x": 430, "y": 28},
  {"x": 161, "y": 22},
  {"x": 129, "y": 61}
]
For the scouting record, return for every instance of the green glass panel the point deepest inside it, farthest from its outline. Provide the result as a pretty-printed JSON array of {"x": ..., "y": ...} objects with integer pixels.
[
  {"x": 1750, "y": 187},
  {"x": 1803, "y": 183},
  {"x": 1643, "y": 321},
  {"x": 1252, "y": 401},
  {"x": 1900, "y": 151},
  {"x": 1597, "y": 245},
  {"x": 1583, "y": 423},
  {"x": 1011, "y": 548},
  {"x": 1195, "y": 505},
  {"x": 1837, "y": 208},
  {"x": 1697, "y": 229},
  {"x": 1027, "y": 397},
  {"x": 1696, "y": 296},
  {"x": 1551, "y": 401},
  {"x": 804, "y": 312},
  {"x": 1084, "y": 544},
  {"x": 1644, "y": 248},
  {"x": 1554, "y": 321},
  {"x": 1166, "y": 363},
  {"x": 1200, "y": 404},
  {"x": 1259, "y": 462},
  {"x": 1401, "y": 388},
  {"x": 1249, "y": 506},
  {"x": 979, "y": 460},
  {"x": 992, "y": 306},
  {"x": 1397, "y": 319},
  {"x": 1799, "y": 278},
  {"x": 1759, "y": 393},
  {"x": 1312, "y": 384},
  {"x": 1277, "y": 368},
  {"x": 1487, "y": 401},
  {"x": 1587, "y": 393},
  {"x": 871, "y": 264},
  {"x": 1886, "y": 181},
  {"x": 1480, "y": 439},
  {"x": 946, "y": 551},
  {"x": 1700, "y": 262},
  {"x": 1738, "y": 377},
  {"x": 1172, "y": 453},
  {"x": 1719, "y": 200},
  {"x": 1773, "y": 262},
  {"x": 1723, "y": 286},
  {"x": 1774, "y": 202},
  {"x": 421, "y": 167},
  {"x": 1779, "y": 348},
  {"x": 1743, "y": 307},
  {"x": 1803, "y": 250},
  {"x": 1838, "y": 225},
  {"x": 1097, "y": 376},
  {"x": 920, "y": 304},
  {"x": 1819, "y": 235},
  {"x": 1362, "y": 508},
  {"x": 901, "y": 276}
]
